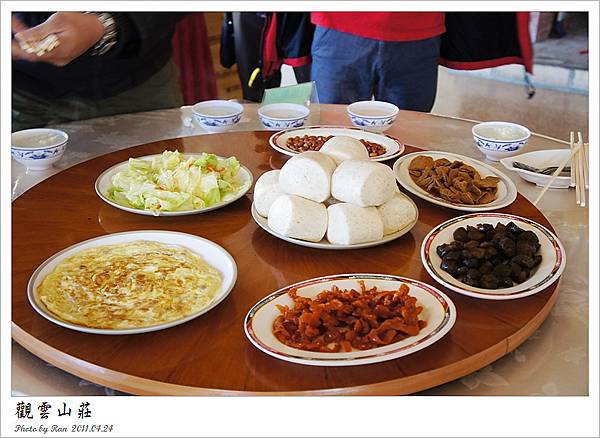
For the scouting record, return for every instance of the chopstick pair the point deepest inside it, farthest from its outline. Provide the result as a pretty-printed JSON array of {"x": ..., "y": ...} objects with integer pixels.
[
  {"x": 579, "y": 173},
  {"x": 579, "y": 169}
]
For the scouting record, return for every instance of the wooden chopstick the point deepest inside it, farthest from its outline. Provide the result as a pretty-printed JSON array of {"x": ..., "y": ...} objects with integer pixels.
[
  {"x": 581, "y": 170},
  {"x": 575, "y": 169},
  {"x": 586, "y": 164},
  {"x": 557, "y": 172},
  {"x": 571, "y": 146}
]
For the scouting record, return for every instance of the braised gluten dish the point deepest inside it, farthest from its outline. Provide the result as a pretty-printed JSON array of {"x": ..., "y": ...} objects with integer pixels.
[
  {"x": 453, "y": 181},
  {"x": 129, "y": 285}
]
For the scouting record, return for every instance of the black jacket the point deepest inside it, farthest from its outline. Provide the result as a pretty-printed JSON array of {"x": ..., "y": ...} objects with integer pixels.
[
  {"x": 143, "y": 48},
  {"x": 473, "y": 40}
]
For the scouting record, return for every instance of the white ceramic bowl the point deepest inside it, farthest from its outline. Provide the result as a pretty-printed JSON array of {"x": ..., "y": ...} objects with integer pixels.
[
  {"x": 540, "y": 159},
  {"x": 500, "y": 137},
  {"x": 494, "y": 155},
  {"x": 283, "y": 115},
  {"x": 39, "y": 148},
  {"x": 217, "y": 115},
  {"x": 373, "y": 115}
]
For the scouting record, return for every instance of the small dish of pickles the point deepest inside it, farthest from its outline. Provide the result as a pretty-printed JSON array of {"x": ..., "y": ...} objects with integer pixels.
[{"x": 493, "y": 256}]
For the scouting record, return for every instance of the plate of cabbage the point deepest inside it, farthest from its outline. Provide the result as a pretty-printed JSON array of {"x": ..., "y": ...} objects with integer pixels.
[{"x": 174, "y": 184}]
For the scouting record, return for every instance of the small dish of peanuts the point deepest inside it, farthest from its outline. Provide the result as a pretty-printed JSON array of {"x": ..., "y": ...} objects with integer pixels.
[
  {"x": 314, "y": 143},
  {"x": 380, "y": 147}
]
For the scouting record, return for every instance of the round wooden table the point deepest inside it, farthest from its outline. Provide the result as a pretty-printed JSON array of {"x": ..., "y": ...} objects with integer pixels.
[{"x": 210, "y": 355}]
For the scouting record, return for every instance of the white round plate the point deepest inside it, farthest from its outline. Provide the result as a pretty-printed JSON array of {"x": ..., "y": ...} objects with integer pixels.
[
  {"x": 210, "y": 252},
  {"x": 552, "y": 252},
  {"x": 324, "y": 243},
  {"x": 104, "y": 182},
  {"x": 393, "y": 147},
  {"x": 438, "y": 311},
  {"x": 507, "y": 191},
  {"x": 541, "y": 159}
]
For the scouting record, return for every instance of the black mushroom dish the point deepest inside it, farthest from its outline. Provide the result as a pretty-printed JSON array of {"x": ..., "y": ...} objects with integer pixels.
[{"x": 491, "y": 257}]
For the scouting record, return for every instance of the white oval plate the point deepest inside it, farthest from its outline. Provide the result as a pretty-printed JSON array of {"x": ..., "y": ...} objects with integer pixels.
[
  {"x": 104, "y": 182},
  {"x": 551, "y": 250},
  {"x": 210, "y": 252},
  {"x": 324, "y": 243},
  {"x": 507, "y": 191},
  {"x": 394, "y": 148},
  {"x": 541, "y": 159},
  {"x": 438, "y": 311}
]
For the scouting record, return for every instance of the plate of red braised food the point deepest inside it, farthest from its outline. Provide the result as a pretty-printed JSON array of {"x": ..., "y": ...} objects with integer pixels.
[{"x": 349, "y": 319}]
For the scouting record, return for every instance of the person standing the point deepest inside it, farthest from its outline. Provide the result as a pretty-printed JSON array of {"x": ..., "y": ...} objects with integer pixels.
[
  {"x": 260, "y": 42},
  {"x": 392, "y": 56},
  {"x": 105, "y": 63}
]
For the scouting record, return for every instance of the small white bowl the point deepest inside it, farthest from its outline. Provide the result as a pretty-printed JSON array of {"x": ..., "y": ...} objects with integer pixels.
[
  {"x": 540, "y": 159},
  {"x": 283, "y": 115},
  {"x": 373, "y": 115},
  {"x": 500, "y": 136},
  {"x": 39, "y": 148},
  {"x": 217, "y": 115},
  {"x": 494, "y": 155}
]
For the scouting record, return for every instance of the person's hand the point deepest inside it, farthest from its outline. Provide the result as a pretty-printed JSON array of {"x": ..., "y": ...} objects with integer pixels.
[
  {"x": 16, "y": 24},
  {"x": 76, "y": 31}
]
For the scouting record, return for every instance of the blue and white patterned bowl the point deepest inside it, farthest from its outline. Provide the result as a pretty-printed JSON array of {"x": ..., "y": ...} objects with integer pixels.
[
  {"x": 277, "y": 116},
  {"x": 496, "y": 154},
  {"x": 372, "y": 115},
  {"x": 217, "y": 115},
  {"x": 39, "y": 148},
  {"x": 500, "y": 136}
]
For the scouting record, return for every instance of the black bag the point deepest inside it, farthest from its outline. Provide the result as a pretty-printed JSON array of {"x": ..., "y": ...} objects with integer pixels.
[{"x": 227, "y": 52}]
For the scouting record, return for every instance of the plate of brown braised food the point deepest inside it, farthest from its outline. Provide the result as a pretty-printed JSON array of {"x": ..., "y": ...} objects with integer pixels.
[
  {"x": 493, "y": 256},
  {"x": 349, "y": 319},
  {"x": 454, "y": 181},
  {"x": 349, "y": 143}
]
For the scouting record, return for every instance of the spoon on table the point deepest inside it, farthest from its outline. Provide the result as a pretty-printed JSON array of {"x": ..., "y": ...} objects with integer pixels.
[{"x": 544, "y": 170}]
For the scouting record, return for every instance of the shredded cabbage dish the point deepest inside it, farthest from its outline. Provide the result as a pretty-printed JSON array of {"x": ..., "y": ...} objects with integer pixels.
[{"x": 174, "y": 182}]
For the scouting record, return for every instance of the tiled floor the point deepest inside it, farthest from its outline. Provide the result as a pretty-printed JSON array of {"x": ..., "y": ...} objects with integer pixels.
[
  {"x": 550, "y": 112},
  {"x": 566, "y": 51}
]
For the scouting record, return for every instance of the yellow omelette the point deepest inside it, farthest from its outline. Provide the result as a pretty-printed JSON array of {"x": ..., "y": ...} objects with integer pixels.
[{"x": 129, "y": 285}]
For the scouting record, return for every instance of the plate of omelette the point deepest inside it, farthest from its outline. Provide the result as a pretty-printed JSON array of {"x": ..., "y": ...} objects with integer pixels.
[{"x": 132, "y": 282}]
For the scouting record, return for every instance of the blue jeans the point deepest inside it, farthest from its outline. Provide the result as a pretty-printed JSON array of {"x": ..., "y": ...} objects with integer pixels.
[{"x": 348, "y": 68}]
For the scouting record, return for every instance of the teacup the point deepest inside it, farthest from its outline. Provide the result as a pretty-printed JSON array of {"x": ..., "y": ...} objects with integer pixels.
[{"x": 39, "y": 148}]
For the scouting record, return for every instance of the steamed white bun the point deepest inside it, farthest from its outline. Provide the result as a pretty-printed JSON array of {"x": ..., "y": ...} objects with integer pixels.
[
  {"x": 342, "y": 148},
  {"x": 349, "y": 224},
  {"x": 264, "y": 196},
  {"x": 397, "y": 213},
  {"x": 297, "y": 217},
  {"x": 308, "y": 175},
  {"x": 266, "y": 179},
  {"x": 364, "y": 183}
]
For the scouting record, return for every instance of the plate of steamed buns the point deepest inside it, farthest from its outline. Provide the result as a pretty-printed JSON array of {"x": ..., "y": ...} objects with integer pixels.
[{"x": 330, "y": 200}]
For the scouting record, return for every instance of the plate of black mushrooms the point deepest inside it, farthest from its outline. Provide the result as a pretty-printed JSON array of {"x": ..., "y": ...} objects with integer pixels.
[{"x": 493, "y": 256}]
